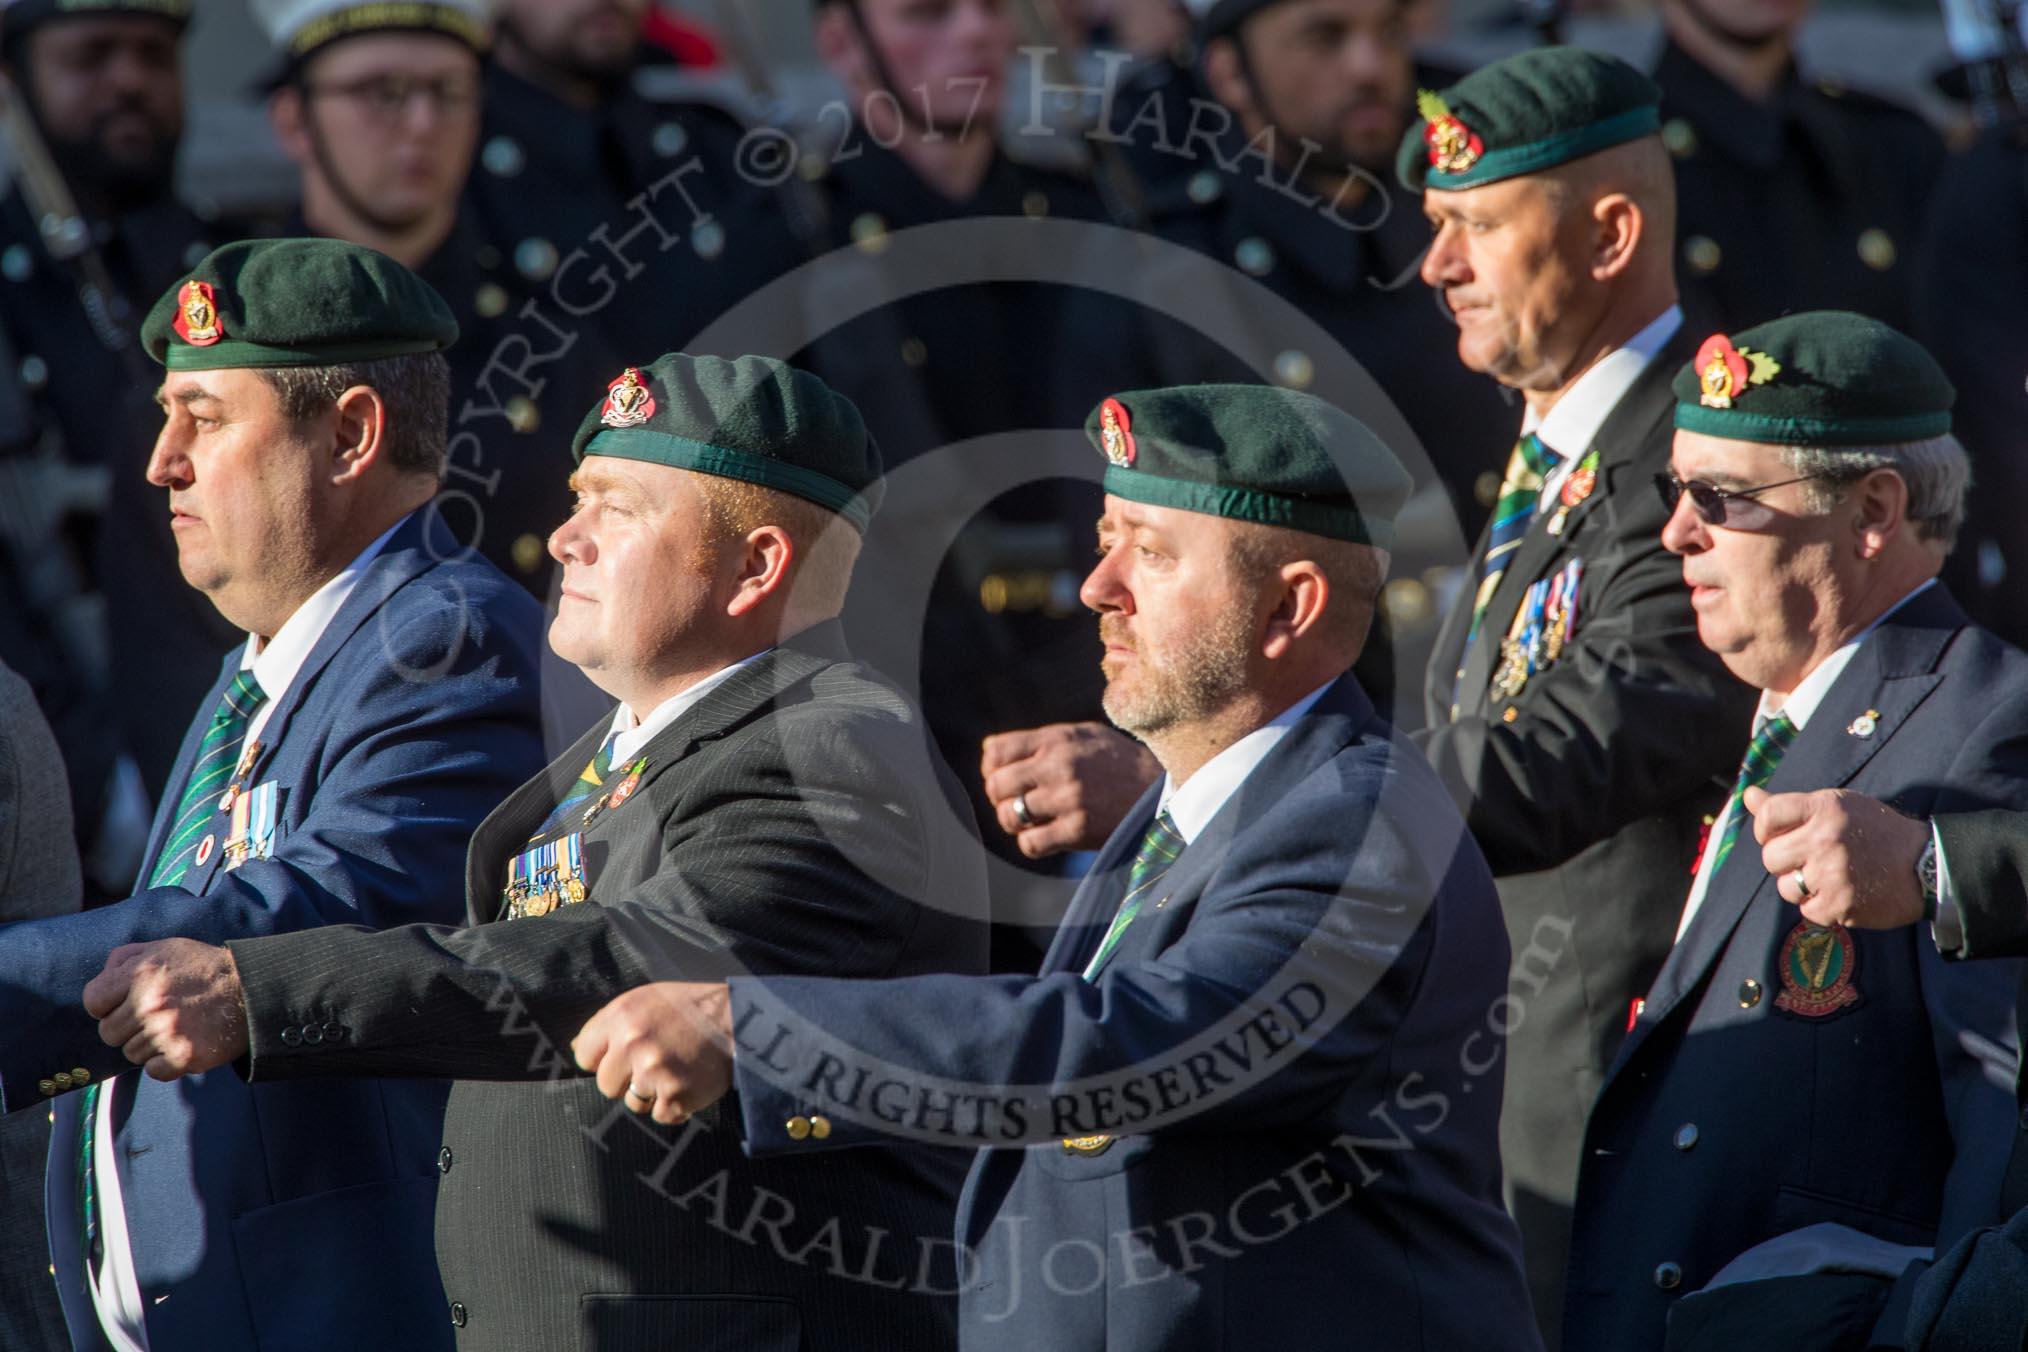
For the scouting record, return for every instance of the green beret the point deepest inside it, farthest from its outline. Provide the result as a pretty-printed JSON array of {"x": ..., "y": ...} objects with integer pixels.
[
  {"x": 20, "y": 16},
  {"x": 1252, "y": 453},
  {"x": 754, "y": 418},
  {"x": 1824, "y": 378},
  {"x": 1523, "y": 114},
  {"x": 295, "y": 302}
]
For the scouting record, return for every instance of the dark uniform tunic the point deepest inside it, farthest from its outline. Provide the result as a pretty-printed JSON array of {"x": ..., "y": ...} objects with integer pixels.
[
  {"x": 967, "y": 589},
  {"x": 85, "y": 392},
  {"x": 1810, "y": 200}
]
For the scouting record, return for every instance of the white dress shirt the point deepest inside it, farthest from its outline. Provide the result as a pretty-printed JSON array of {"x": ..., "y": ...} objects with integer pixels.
[
  {"x": 629, "y": 734},
  {"x": 1192, "y": 804},
  {"x": 275, "y": 662},
  {"x": 1569, "y": 428},
  {"x": 1799, "y": 706}
]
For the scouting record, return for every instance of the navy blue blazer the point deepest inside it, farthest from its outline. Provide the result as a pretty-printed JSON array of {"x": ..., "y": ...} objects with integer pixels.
[
  {"x": 1271, "y": 1120},
  {"x": 298, "y": 1215},
  {"x": 1731, "y": 1115}
]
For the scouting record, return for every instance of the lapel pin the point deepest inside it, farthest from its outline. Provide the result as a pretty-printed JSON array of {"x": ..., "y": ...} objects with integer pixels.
[
  {"x": 1866, "y": 724},
  {"x": 204, "y": 849}
]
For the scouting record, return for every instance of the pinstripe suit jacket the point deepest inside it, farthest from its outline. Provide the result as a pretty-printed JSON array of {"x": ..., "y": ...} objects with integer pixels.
[{"x": 795, "y": 820}]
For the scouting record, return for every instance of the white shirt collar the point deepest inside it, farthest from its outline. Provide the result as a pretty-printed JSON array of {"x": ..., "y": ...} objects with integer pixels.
[
  {"x": 276, "y": 663},
  {"x": 630, "y": 734},
  {"x": 1570, "y": 427},
  {"x": 1193, "y": 804},
  {"x": 1810, "y": 691}
]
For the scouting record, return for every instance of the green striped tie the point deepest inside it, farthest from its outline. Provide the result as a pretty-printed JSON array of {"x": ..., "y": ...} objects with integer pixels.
[
  {"x": 1520, "y": 491},
  {"x": 1763, "y": 754},
  {"x": 216, "y": 758},
  {"x": 1159, "y": 849}
]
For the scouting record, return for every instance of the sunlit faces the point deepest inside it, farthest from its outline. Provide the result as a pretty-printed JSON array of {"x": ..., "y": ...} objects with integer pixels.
[
  {"x": 1511, "y": 261},
  {"x": 390, "y": 119},
  {"x": 1335, "y": 72},
  {"x": 1179, "y": 630},
  {"x": 242, "y": 480},
  {"x": 1765, "y": 585},
  {"x": 642, "y": 577},
  {"x": 946, "y": 59}
]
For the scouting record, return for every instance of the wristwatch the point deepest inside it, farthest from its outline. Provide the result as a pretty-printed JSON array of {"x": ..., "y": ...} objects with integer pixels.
[{"x": 1925, "y": 874}]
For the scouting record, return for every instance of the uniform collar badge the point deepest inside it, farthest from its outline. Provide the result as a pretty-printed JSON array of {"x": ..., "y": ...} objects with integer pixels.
[
  {"x": 1724, "y": 371},
  {"x": 197, "y": 318},
  {"x": 1453, "y": 146},
  {"x": 1115, "y": 433},
  {"x": 628, "y": 403}
]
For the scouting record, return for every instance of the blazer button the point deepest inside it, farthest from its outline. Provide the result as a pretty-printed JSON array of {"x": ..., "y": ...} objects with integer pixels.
[
  {"x": 798, "y": 1128},
  {"x": 48, "y": 1088},
  {"x": 62, "y": 1078},
  {"x": 820, "y": 1128},
  {"x": 313, "y": 1034},
  {"x": 1686, "y": 1136},
  {"x": 334, "y": 1032},
  {"x": 444, "y": 1160},
  {"x": 292, "y": 1037},
  {"x": 457, "y": 1314},
  {"x": 1668, "y": 1276},
  {"x": 80, "y": 1077},
  {"x": 1749, "y": 993}
]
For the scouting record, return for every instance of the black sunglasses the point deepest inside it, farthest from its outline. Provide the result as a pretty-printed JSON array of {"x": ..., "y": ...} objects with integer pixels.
[{"x": 1713, "y": 504}]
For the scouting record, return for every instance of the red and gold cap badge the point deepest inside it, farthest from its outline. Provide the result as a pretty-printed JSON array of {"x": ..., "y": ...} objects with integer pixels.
[
  {"x": 1723, "y": 371},
  {"x": 628, "y": 403},
  {"x": 197, "y": 319},
  {"x": 1116, "y": 437},
  {"x": 1453, "y": 146}
]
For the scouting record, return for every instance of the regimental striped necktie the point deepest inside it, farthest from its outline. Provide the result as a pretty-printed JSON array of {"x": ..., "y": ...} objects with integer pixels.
[
  {"x": 1770, "y": 741},
  {"x": 590, "y": 780},
  {"x": 1527, "y": 468},
  {"x": 1158, "y": 851},
  {"x": 217, "y": 756}
]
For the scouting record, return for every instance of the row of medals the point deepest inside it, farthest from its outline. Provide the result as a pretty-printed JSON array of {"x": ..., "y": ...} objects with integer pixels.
[{"x": 545, "y": 892}]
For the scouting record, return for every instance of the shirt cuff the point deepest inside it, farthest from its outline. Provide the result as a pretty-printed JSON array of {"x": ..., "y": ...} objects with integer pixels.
[{"x": 1948, "y": 928}]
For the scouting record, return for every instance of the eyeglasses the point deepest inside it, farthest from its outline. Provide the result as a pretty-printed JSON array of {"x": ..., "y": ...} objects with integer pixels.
[
  {"x": 384, "y": 98},
  {"x": 1714, "y": 505}
]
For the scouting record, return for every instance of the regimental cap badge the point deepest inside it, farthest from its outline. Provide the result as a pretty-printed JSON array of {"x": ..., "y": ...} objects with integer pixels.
[
  {"x": 1116, "y": 435},
  {"x": 197, "y": 319},
  {"x": 628, "y": 403},
  {"x": 1453, "y": 146},
  {"x": 1723, "y": 371}
]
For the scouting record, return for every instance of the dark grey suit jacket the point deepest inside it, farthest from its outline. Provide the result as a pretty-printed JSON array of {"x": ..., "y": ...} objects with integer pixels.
[
  {"x": 1585, "y": 791},
  {"x": 795, "y": 820}
]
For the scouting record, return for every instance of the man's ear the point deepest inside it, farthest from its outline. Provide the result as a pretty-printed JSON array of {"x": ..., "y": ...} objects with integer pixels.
[
  {"x": 358, "y": 433},
  {"x": 763, "y": 568},
  {"x": 839, "y": 46},
  {"x": 1618, "y": 224},
  {"x": 1882, "y": 499},
  {"x": 286, "y": 119},
  {"x": 1305, "y": 594},
  {"x": 1225, "y": 79}
]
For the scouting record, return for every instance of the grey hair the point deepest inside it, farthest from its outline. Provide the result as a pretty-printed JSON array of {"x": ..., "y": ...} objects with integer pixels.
[
  {"x": 1937, "y": 471},
  {"x": 416, "y": 390}
]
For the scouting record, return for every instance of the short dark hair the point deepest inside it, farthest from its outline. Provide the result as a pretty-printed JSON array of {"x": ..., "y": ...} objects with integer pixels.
[{"x": 416, "y": 389}]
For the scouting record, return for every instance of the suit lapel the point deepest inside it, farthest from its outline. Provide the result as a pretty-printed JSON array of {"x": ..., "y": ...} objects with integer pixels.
[
  {"x": 1331, "y": 724},
  {"x": 193, "y": 741},
  {"x": 1098, "y": 896},
  {"x": 1621, "y": 438},
  {"x": 1890, "y": 676}
]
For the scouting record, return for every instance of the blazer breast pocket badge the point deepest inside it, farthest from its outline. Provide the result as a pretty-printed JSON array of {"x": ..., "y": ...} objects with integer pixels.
[
  {"x": 544, "y": 877},
  {"x": 255, "y": 816},
  {"x": 1543, "y": 625},
  {"x": 1819, "y": 971}
]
